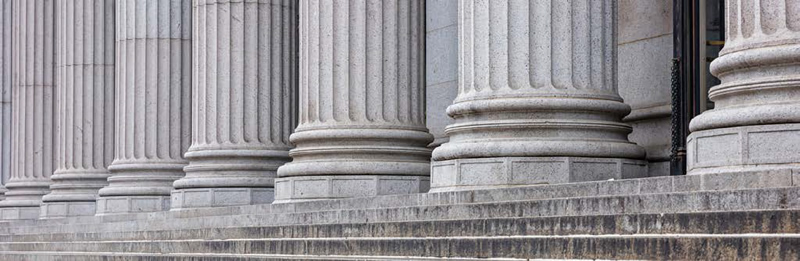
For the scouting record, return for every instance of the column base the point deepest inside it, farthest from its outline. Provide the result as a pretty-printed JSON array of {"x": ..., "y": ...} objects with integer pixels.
[
  {"x": 67, "y": 209},
  {"x": 18, "y": 213},
  {"x": 500, "y": 172},
  {"x": 220, "y": 197},
  {"x": 131, "y": 204},
  {"x": 306, "y": 188},
  {"x": 759, "y": 148}
]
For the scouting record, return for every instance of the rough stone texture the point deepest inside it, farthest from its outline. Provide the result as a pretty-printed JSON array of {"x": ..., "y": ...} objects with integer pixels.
[
  {"x": 5, "y": 94},
  {"x": 32, "y": 148},
  {"x": 152, "y": 107},
  {"x": 645, "y": 51},
  {"x": 244, "y": 107},
  {"x": 537, "y": 80},
  {"x": 756, "y": 119},
  {"x": 362, "y": 100},
  {"x": 441, "y": 64},
  {"x": 85, "y": 114}
]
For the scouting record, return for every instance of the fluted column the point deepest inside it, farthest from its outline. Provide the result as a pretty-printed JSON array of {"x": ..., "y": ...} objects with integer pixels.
[
  {"x": 362, "y": 102},
  {"x": 152, "y": 115},
  {"x": 32, "y": 148},
  {"x": 85, "y": 114},
  {"x": 537, "y": 99},
  {"x": 244, "y": 87},
  {"x": 5, "y": 93},
  {"x": 756, "y": 120}
]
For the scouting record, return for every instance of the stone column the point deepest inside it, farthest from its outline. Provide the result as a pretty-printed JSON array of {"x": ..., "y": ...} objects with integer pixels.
[
  {"x": 152, "y": 115},
  {"x": 5, "y": 93},
  {"x": 85, "y": 114},
  {"x": 244, "y": 87},
  {"x": 362, "y": 102},
  {"x": 33, "y": 138},
  {"x": 756, "y": 120},
  {"x": 538, "y": 99}
]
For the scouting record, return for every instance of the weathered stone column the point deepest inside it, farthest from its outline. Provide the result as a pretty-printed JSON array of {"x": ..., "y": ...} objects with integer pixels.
[
  {"x": 755, "y": 125},
  {"x": 5, "y": 94},
  {"x": 538, "y": 99},
  {"x": 245, "y": 90},
  {"x": 362, "y": 102},
  {"x": 152, "y": 114},
  {"x": 32, "y": 128},
  {"x": 85, "y": 114}
]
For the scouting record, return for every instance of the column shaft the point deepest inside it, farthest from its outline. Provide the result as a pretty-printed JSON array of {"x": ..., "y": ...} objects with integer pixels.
[
  {"x": 85, "y": 115},
  {"x": 244, "y": 98},
  {"x": 756, "y": 116},
  {"x": 5, "y": 93},
  {"x": 362, "y": 102},
  {"x": 537, "y": 99},
  {"x": 32, "y": 147},
  {"x": 152, "y": 115}
]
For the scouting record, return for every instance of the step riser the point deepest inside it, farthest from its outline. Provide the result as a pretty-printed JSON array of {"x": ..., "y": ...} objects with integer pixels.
[
  {"x": 707, "y": 248},
  {"x": 784, "y": 198},
  {"x": 687, "y": 223}
]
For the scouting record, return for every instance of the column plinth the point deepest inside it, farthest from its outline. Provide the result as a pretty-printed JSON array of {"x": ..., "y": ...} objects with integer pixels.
[
  {"x": 538, "y": 100},
  {"x": 244, "y": 87},
  {"x": 362, "y": 102},
  {"x": 33, "y": 102},
  {"x": 756, "y": 116},
  {"x": 152, "y": 105},
  {"x": 85, "y": 123}
]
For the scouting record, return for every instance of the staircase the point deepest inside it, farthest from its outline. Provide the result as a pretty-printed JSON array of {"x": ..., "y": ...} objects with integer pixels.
[{"x": 723, "y": 217}]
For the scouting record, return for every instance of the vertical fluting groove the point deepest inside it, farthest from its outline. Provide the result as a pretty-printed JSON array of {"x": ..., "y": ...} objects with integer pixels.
[
  {"x": 33, "y": 102},
  {"x": 244, "y": 97},
  {"x": 84, "y": 82},
  {"x": 5, "y": 89},
  {"x": 153, "y": 76},
  {"x": 362, "y": 94}
]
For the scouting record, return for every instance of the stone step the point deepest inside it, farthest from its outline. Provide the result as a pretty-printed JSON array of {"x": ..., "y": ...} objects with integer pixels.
[
  {"x": 741, "y": 222},
  {"x": 79, "y": 256},
  {"x": 628, "y": 187},
  {"x": 704, "y": 201},
  {"x": 640, "y": 246}
]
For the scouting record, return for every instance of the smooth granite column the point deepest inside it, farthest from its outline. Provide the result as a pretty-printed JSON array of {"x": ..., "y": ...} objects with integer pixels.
[
  {"x": 755, "y": 125},
  {"x": 85, "y": 114},
  {"x": 538, "y": 99},
  {"x": 5, "y": 94},
  {"x": 32, "y": 145},
  {"x": 244, "y": 87},
  {"x": 152, "y": 114},
  {"x": 362, "y": 102}
]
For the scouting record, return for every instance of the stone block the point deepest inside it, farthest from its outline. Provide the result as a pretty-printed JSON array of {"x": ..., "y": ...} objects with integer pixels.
[
  {"x": 67, "y": 209},
  {"x": 465, "y": 174},
  {"x": 760, "y": 148},
  {"x": 132, "y": 204},
  {"x": 219, "y": 197},
  {"x": 303, "y": 188}
]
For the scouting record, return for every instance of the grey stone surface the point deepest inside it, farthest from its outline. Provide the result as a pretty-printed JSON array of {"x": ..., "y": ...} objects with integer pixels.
[
  {"x": 244, "y": 104},
  {"x": 362, "y": 97},
  {"x": 85, "y": 114},
  {"x": 5, "y": 93},
  {"x": 441, "y": 64},
  {"x": 32, "y": 148},
  {"x": 536, "y": 80},
  {"x": 152, "y": 108},
  {"x": 645, "y": 51},
  {"x": 756, "y": 119}
]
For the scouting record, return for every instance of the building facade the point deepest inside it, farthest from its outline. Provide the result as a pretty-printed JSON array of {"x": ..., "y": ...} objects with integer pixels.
[{"x": 165, "y": 120}]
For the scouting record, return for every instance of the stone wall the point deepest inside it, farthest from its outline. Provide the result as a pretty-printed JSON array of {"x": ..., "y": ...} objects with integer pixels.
[
  {"x": 645, "y": 50},
  {"x": 441, "y": 35}
]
